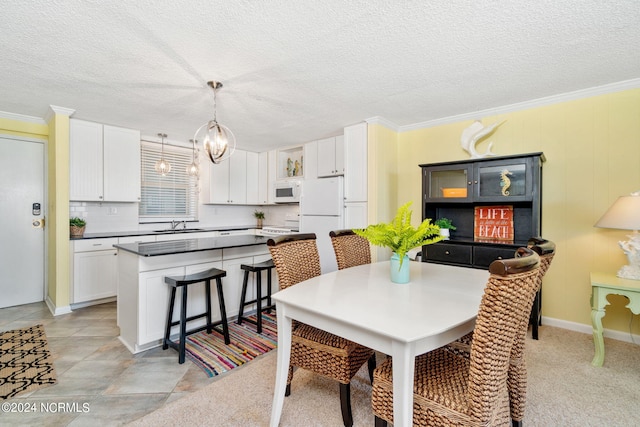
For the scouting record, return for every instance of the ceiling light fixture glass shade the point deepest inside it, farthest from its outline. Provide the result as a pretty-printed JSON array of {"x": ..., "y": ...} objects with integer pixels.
[
  {"x": 162, "y": 166},
  {"x": 192, "y": 169},
  {"x": 218, "y": 140}
]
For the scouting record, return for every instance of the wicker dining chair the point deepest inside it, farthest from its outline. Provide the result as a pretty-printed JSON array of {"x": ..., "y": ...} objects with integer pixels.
[
  {"x": 296, "y": 259},
  {"x": 350, "y": 249},
  {"x": 517, "y": 377},
  {"x": 470, "y": 391}
]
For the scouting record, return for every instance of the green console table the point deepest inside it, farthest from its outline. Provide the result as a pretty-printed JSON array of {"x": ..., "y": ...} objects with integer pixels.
[{"x": 603, "y": 284}]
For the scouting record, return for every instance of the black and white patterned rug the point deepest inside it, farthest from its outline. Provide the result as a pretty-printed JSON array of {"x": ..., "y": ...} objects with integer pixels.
[{"x": 25, "y": 361}]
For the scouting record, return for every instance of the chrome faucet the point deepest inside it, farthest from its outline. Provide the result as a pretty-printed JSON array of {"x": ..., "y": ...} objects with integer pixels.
[{"x": 174, "y": 224}]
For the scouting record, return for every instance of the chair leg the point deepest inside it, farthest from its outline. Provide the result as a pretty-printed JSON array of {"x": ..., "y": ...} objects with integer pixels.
[
  {"x": 515, "y": 423},
  {"x": 183, "y": 325},
  {"x": 269, "y": 289},
  {"x": 380, "y": 422},
  {"x": 223, "y": 311},
  {"x": 259, "y": 301},
  {"x": 345, "y": 404},
  {"x": 207, "y": 289},
  {"x": 371, "y": 364},
  {"x": 243, "y": 296},
  {"x": 535, "y": 316},
  {"x": 167, "y": 331}
]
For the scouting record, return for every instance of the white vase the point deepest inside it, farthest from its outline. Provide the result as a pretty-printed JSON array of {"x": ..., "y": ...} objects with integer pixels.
[{"x": 444, "y": 232}]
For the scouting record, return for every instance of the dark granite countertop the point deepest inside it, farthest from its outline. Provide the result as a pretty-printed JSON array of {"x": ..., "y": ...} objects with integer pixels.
[
  {"x": 185, "y": 245},
  {"x": 163, "y": 230}
]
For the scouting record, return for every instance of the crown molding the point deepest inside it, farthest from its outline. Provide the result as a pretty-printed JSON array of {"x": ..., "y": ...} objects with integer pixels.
[
  {"x": 540, "y": 102},
  {"x": 379, "y": 120},
  {"x": 54, "y": 109},
  {"x": 22, "y": 118}
]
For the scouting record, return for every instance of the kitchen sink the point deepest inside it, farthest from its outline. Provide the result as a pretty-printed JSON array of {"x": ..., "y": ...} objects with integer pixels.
[{"x": 187, "y": 230}]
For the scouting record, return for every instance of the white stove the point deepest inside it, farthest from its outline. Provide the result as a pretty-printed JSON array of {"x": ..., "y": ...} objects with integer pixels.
[{"x": 277, "y": 231}]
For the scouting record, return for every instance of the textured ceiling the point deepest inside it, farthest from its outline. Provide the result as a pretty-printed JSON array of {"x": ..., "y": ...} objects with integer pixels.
[{"x": 295, "y": 71}]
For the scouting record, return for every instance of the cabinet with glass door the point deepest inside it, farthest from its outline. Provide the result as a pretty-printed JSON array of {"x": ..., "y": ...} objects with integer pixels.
[{"x": 459, "y": 190}]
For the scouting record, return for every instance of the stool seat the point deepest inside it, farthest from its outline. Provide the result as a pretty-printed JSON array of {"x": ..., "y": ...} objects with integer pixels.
[
  {"x": 201, "y": 276},
  {"x": 257, "y": 268},
  {"x": 183, "y": 282},
  {"x": 261, "y": 266}
]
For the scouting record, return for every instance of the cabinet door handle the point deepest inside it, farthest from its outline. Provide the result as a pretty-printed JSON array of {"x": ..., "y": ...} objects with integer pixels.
[
  {"x": 468, "y": 182},
  {"x": 446, "y": 252}
]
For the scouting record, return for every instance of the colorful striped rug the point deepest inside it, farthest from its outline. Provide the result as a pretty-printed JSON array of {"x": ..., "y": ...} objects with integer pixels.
[{"x": 210, "y": 353}]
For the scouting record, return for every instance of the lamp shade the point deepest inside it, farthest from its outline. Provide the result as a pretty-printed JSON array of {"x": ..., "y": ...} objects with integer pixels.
[{"x": 624, "y": 214}]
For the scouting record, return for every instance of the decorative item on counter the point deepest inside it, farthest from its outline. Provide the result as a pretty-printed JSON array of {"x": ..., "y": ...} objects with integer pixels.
[
  {"x": 473, "y": 134},
  {"x": 445, "y": 225},
  {"x": 297, "y": 168},
  {"x": 400, "y": 236},
  {"x": 289, "y": 167},
  {"x": 76, "y": 226},
  {"x": 260, "y": 217}
]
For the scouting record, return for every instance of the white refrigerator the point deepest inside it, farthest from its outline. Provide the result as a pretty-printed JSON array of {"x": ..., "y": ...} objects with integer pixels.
[{"x": 322, "y": 210}]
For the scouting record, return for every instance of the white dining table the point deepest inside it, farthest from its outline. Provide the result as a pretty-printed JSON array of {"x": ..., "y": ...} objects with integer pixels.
[{"x": 361, "y": 304}]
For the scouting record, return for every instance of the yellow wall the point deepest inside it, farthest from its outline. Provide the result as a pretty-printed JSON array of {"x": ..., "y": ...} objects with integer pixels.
[
  {"x": 592, "y": 148},
  {"x": 58, "y": 209},
  {"x": 57, "y": 277},
  {"x": 382, "y": 178}
]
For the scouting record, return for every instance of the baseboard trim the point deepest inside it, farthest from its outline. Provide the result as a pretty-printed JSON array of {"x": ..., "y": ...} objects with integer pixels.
[
  {"x": 56, "y": 311},
  {"x": 588, "y": 329}
]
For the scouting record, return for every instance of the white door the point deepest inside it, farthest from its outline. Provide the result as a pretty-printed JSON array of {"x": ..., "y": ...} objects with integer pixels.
[{"x": 21, "y": 243}]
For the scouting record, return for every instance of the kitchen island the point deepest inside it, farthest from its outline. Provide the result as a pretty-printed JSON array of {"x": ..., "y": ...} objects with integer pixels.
[{"x": 143, "y": 296}]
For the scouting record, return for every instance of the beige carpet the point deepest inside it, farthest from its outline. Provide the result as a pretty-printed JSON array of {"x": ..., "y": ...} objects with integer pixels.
[{"x": 564, "y": 390}]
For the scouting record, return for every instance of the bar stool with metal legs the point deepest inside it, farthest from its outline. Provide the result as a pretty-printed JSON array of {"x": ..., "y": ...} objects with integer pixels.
[
  {"x": 258, "y": 269},
  {"x": 184, "y": 282}
]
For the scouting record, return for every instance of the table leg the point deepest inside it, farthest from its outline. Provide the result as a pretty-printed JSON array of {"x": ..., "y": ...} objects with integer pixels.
[
  {"x": 598, "y": 302},
  {"x": 403, "y": 370},
  {"x": 282, "y": 369}
]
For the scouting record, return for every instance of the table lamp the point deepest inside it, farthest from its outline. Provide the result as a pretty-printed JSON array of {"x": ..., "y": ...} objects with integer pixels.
[{"x": 624, "y": 214}]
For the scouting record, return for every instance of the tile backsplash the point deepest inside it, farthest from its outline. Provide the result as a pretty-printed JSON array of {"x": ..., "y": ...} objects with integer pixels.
[{"x": 104, "y": 217}]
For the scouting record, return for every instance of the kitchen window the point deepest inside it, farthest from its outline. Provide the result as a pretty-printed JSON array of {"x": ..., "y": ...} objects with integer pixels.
[{"x": 170, "y": 197}]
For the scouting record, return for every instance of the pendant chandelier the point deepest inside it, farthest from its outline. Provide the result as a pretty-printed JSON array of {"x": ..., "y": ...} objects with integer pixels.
[
  {"x": 192, "y": 169},
  {"x": 218, "y": 140},
  {"x": 162, "y": 166}
]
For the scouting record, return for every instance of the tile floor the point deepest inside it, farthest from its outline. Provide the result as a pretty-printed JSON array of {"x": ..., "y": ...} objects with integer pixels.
[{"x": 100, "y": 380}]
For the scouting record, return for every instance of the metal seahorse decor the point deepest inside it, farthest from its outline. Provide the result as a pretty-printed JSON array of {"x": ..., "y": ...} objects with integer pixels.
[
  {"x": 505, "y": 182},
  {"x": 473, "y": 134}
]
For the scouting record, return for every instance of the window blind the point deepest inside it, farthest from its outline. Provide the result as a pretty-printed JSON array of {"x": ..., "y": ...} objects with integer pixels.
[{"x": 170, "y": 197}]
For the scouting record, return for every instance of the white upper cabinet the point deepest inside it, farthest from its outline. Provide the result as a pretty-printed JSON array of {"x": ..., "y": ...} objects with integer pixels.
[
  {"x": 311, "y": 160},
  {"x": 253, "y": 163},
  {"x": 104, "y": 163},
  {"x": 266, "y": 176},
  {"x": 85, "y": 161},
  {"x": 226, "y": 182},
  {"x": 121, "y": 164},
  {"x": 355, "y": 161},
  {"x": 331, "y": 156}
]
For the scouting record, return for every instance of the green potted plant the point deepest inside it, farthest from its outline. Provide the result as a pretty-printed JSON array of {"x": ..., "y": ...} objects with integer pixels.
[
  {"x": 400, "y": 236},
  {"x": 259, "y": 216},
  {"x": 76, "y": 226},
  {"x": 445, "y": 225}
]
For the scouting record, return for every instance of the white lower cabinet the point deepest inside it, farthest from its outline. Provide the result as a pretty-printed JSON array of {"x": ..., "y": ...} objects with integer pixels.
[
  {"x": 143, "y": 296},
  {"x": 94, "y": 270}
]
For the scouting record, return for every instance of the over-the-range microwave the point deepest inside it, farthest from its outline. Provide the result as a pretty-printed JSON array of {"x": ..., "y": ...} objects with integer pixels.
[{"x": 287, "y": 191}]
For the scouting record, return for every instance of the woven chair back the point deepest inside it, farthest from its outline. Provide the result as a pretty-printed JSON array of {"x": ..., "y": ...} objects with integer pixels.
[
  {"x": 502, "y": 318},
  {"x": 296, "y": 258},
  {"x": 546, "y": 249},
  {"x": 350, "y": 249}
]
